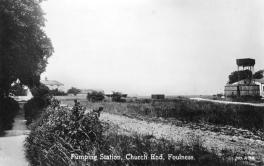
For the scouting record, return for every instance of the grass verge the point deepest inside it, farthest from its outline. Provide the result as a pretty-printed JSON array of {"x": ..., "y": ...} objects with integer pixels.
[{"x": 64, "y": 136}]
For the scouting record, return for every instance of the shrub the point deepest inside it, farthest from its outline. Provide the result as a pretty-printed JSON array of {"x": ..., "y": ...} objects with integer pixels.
[
  {"x": 40, "y": 91},
  {"x": 18, "y": 90},
  {"x": 35, "y": 106},
  {"x": 61, "y": 132},
  {"x": 239, "y": 75},
  {"x": 8, "y": 110},
  {"x": 74, "y": 91},
  {"x": 258, "y": 74},
  {"x": 56, "y": 92},
  {"x": 117, "y": 97},
  {"x": 95, "y": 96}
]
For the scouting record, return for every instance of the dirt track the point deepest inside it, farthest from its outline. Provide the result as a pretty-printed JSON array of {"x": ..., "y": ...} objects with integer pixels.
[
  {"x": 171, "y": 132},
  {"x": 11, "y": 145}
]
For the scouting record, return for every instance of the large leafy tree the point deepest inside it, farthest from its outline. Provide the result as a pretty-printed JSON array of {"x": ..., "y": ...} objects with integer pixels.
[
  {"x": 244, "y": 74},
  {"x": 24, "y": 46},
  {"x": 258, "y": 74},
  {"x": 95, "y": 96},
  {"x": 239, "y": 75}
]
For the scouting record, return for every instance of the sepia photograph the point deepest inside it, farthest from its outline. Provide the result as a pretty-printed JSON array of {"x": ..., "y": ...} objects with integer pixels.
[{"x": 131, "y": 83}]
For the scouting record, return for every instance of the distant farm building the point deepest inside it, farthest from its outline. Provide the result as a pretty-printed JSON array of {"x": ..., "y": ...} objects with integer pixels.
[
  {"x": 245, "y": 87},
  {"x": 158, "y": 96},
  {"x": 52, "y": 84}
]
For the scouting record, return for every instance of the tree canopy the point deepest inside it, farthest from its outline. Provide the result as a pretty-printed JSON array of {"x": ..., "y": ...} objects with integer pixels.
[
  {"x": 95, "y": 96},
  {"x": 244, "y": 74},
  {"x": 258, "y": 74},
  {"x": 74, "y": 91},
  {"x": 24, "y": 46},
  {"x": 18, "y": 90},
  {"x": 117, "y": 97}
]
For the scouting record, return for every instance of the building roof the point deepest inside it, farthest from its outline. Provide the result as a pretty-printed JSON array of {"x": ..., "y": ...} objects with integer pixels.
[
  {"x": 245, "y": 62},
  {"x": 51, "y": 82}
]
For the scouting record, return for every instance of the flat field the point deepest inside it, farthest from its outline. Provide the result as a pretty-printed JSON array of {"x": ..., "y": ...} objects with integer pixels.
[{"x": 232, "y": 128}]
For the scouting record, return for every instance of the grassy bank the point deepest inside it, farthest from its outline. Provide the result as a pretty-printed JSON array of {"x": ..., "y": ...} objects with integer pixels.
[
  {"x": 239, "y": 116},
  {"x": 61, "y": 134}
]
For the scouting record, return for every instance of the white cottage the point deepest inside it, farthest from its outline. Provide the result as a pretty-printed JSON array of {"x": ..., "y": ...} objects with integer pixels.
[{"x": 52, "y": 84}]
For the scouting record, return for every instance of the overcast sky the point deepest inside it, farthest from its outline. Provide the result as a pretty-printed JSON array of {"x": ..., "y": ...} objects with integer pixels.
[{"x": 141, "y": 47}]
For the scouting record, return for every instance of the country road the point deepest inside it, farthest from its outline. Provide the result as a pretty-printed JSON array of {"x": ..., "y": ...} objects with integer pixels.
[{"x": 210, "y": 139}]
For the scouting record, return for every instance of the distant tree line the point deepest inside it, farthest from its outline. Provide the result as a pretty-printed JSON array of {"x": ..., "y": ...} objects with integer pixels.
[
  {"x": 73, "y": 90},
  {"x": 57, "y": 92},
  {"x": 95, "y": 96}
]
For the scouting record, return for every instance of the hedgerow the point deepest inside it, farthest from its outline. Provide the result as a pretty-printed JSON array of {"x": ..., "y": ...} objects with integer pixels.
[
  {"x": 8, "y": 110},
  {"x": 61, "y": 132},
  {"x": 95, "y": 96},
  {"x": 35, "y": 106}
]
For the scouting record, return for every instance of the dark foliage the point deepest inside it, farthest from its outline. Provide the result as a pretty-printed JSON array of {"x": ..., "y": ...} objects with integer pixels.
[
  {"x": 95, "y": 96},
  {"x": 239, "y": 75},
  {"x": 60, "y": 132},
  {"x": 40, "y": 91},
  {"x": 24, "y": 46},
  {"x": 35, "y": 106},
  {"x": 18, "y": 90},
  {"x": 258, "y": 74},
  {"x": 8, "y": 110},
  {"x": 56, "y": 92},
  {"x": 244, "y": 74},
  {"x": 117, "y": 97},
  {"x": 74, "y": 91}
]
